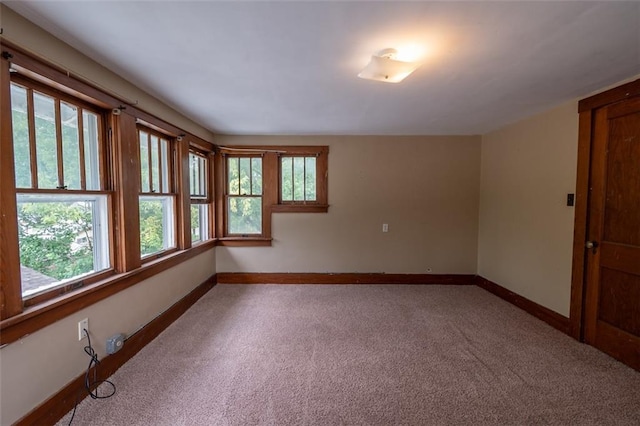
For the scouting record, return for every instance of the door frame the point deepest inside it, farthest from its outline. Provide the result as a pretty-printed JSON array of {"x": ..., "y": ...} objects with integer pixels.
[{"x": 586, "y": 110}]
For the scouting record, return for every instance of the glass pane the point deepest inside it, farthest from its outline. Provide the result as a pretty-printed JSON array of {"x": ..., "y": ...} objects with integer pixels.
[
  {"x": 286, "y": 170},
  {"x": 91, "y": 150},
  {"x": 245, "y": 215},
  {"x": 195, "y": 223},
  {"x": 298, "y": 179},
  {"x": 164, "y": 149},
  {"x": 256, "y": 176},
  {"x": 20, "y": 122},
  {"x": 194, "y": 182},
  {"x": 155, "y": 165},
  {"x": 157, "y": 224},
  {"x": 46, "y": 147},
  {"x": 199, "y": 222},
  {"x": 204, "y": 221},
  {"x": 245, "y": 176},
  {"x": 62, "y": 237},
  {"x": 310, "y": 179},
  {"x": 203, "y": 176},
  {"x": 70, "y": 145},
  {"x": 144, "y": 161},
  {"x": 233, "y": 175}
]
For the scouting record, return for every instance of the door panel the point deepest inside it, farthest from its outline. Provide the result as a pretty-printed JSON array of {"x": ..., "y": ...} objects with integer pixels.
[
  {"x": 619, "y": 293},
  {"x": 612, "y": 303}
]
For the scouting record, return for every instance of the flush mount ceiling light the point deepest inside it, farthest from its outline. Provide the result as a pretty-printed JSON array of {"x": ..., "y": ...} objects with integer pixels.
[{"x": 385, "y": 67}]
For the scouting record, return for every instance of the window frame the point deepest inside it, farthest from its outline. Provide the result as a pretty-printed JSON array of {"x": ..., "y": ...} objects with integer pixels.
[
  {"x": 103, "y": 153},
  {"x": 32, "y": 87},
  {"x": 228, "y": 196},
  {"x": 162, "y": 193},
  {"x": 204, "y": 198},
  {"x": 320, "y": 204},
  {"x": 17, "y": 318},
  {"x": 271, "y": 188}
]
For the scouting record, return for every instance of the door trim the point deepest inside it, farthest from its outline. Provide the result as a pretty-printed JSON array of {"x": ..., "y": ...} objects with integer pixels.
[{"x": 587, "y": 108}]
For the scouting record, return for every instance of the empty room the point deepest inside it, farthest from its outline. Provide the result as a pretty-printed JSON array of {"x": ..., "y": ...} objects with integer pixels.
[{"x": 319, "y": 212}]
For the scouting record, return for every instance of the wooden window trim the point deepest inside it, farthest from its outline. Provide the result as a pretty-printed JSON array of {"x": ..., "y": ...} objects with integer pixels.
[
  {"x": 225, "y": 235},
  {"x": 300, "y": 208},
  {"x": 244, "y": 241},
  {"x": 32, "y": 86},
  {"x": 118, "y": 176},
  {"x": 271, "y": 188},
  {"x": 207, "y": 177},
  {"x": 59, "y": 96},
  {"x": 10, "y": 288},
  {"x": 173, "y": 191},
  {"x": 320, "y": 204},
  {"x": 208, "y": 153},
  {"x": 36, "y": 317},
  {"x": 171, "y": 169},
  {"x": 64, "y": 80}
]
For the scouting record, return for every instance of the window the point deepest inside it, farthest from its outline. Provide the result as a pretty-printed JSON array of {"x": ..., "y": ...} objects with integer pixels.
[
  {"x": 257, "y": 181},
  {"x": 243, "y": 195},
  {"x": 199, "y": 172},
  {"x": 297, "y": 179},
  {"x": 157, "y": 199},
  {"x": 90, "y": 194},
  {"x": 62, "y": 205},
  {"x": 302, "y": 179}
]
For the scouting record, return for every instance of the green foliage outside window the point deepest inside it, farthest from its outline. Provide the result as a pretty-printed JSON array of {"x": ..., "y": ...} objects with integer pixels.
[
  {"x": 49, "y": 230},
  {"x": 244, "y": 210},
  {"x": 47, "y": 233},
  {"x": 151, "y": 227}
]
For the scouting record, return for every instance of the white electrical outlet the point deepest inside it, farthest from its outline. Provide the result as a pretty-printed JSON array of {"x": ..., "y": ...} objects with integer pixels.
[
  {"x": 82, "y": 326},
  {"x": 385, "y": 227}
]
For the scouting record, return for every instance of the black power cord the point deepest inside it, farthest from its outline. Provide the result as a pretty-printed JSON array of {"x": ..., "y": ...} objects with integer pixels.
[{"x": 92, "y": 386}]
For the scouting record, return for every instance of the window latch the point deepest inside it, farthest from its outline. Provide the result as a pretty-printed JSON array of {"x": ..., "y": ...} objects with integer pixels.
[{"x": 61, "y": 187}]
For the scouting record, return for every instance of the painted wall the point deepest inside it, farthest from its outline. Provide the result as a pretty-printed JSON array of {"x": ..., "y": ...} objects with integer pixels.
[
  {"x": 35, "y": 367},
  {"x": 525, "y": 227},
  {"x": 425, "y": 188},
  {"x": 40, "y": 364}
]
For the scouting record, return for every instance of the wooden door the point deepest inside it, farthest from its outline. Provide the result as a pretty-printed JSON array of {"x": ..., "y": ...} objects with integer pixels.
[{"x": 612, "y": 302}]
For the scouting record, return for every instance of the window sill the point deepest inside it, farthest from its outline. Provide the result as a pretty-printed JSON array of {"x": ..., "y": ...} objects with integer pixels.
[
  {"x": 39, "y": 316},
  {"x": 244, "y": 242},
  {"x": 300, "y": 208}
]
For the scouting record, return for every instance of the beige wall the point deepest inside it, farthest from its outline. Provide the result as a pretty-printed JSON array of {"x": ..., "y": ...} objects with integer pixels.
[
  {"x": 425, "y": 188},
  {"x": 37, "y": 366},
  {"x": 526, "y": 229}
]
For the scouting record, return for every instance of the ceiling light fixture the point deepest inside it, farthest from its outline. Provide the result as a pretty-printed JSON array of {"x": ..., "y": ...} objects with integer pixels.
[{"x": 385, "y": 67}]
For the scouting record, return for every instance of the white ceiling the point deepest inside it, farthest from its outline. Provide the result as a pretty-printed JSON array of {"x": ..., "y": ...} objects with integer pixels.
[{"x": 290, "y": 67}]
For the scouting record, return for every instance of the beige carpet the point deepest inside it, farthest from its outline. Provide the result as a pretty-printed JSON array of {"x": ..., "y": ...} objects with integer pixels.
[{"x": 364, "y": 355}]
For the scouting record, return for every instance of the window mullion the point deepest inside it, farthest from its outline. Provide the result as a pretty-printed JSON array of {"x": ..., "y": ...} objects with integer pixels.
[
  {"x": 304, "y": 178},
  {"x": 239, "y": 179},
  {"x": 151, "y": 188},
  {"x": 58, "y": 121},
  {"x": 203, "y": 177},
  {"x": 250, "y": 176},
  {"x": 161, "y": 188},
  {"x": 293, "y": 179},
  {"x": 31, "y": 119},
  {"x": 83, "y": 171}
]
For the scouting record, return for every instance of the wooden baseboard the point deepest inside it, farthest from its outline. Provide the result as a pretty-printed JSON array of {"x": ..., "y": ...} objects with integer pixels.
[
  {"x": 552, "y": 318},
  {"x": 54, "y": 408},
  {"x": 341, "y": 278}
]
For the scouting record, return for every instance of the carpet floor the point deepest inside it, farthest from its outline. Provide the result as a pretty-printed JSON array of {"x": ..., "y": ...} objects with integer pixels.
[{"x": 364, "y": 355}]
